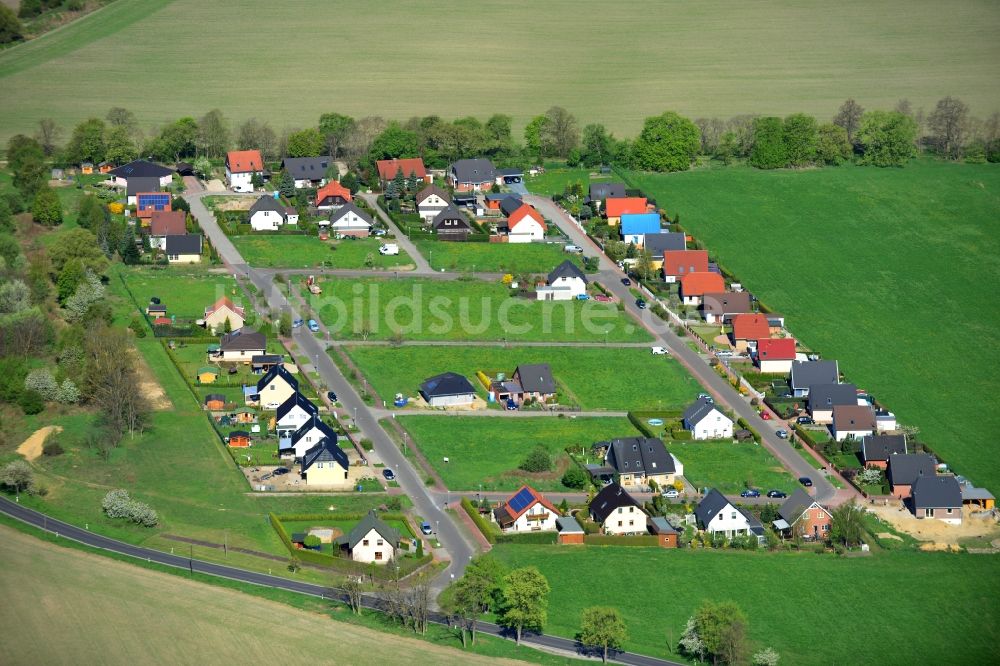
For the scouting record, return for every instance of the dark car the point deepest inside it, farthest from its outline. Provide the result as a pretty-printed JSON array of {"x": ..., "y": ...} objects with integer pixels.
[
  {"x": 804, "y": 420},
  {"x": 750, "y": 492},
  {"x": 331, "y": 396},
  {"x": 626, "y": 282},
  {"x": 806, "y": 481},
  {"x": 640, "y": 303},
  {"x": 280, "y": 471},
  {"x": 388, "y": 474},
  {"x": 776, "y": 494}
]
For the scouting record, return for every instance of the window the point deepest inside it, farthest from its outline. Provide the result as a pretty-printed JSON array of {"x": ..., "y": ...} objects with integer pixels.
[
  {"x": 949, "y": 512},
  {"x": 619, "y": 509},
  {"x": 928, "y": 513},
  {"x": 733, "y": 516},
  {"x": 379, "y": 542},
  {"x": 619, "y": 523},
  {"x": 364, "y": 542},
  {"x": 378, "y": 554},
  {"x": 631, "y": 523}
]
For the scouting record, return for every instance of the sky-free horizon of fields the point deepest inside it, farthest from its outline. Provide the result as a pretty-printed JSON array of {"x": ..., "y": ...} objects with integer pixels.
[{"x": 617, "y": 64}]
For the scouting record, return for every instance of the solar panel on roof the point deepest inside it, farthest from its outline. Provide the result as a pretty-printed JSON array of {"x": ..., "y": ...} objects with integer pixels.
[{"x": 521, "y": 500}]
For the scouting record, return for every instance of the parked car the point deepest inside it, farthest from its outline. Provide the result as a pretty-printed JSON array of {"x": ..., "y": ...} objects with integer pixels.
[
  {"x": 425, "y": 528},
  {"x": 297, "y": 323},
  {"x": 750, "y": 492},
  {"x": 782, "y": 434},
  {"x": 331, "y": 396},
  {"x": 583, "y": 297},
  {"x": 280, "y": 471},
  {"x": 601, "y": 298},
  {"x": 671, "y": 493},
  {"x": 705, "y": 396},
  {"x": 573, "y": 249},
  {"x": 511, "y": 405},
  {"x": 724, "y": 353},
  {"x": 380, "y": 232},
  {"x": 766, "y": 416},
  {"x": 389, "y": 249},
  {"x": 806, "y": 481},
  {"x": 388, "y": 474},
  {"x": 313, "y": 326},
  {"x": 640, "y": 303},
  {"x": 776, "y": 494},
  {"x": 626, "y": 282},
  {"x": 804, "y": 420},
  {"x": 660, "y": 351}
]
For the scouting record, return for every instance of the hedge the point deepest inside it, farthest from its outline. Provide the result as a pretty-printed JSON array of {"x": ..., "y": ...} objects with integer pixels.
[
  {"x": 804, "y": 435},
  {"x": 488, "y": 529},
  {"x": 524, "y": 538},
  {"x": 742, "y": 423},
  {"x": 645, "y": 540}
]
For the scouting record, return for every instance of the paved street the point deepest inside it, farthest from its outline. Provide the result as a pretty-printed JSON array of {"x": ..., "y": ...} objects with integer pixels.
[{"x": 423, "y": 267}]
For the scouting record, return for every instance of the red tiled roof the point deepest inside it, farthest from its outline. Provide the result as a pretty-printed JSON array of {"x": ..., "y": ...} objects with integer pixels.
[
  {"x": 538, "y": 498},
  {"x": 162, "y": 321},
  {"x": 750, "y": 327},
  {"x": 523, "y": 212},
  {"x": 244, "y": 161},
  {"x": 332, "y": 189},
  {"x": 701, "y": 283},
  {"x": 776, "y": 349},
  {"x": 682, "y": 262},
  {"x": 387, "y": 169},
  {"x": 167, "y": 223},
  {"x": 622, "y": 206},
  {"x": 224, "y": 301}
]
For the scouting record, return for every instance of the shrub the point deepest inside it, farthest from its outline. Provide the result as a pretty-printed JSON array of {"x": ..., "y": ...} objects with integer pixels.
[
  {"x": 118, "y": 504},
  {"x": 137, "y": 327},
  {"x": 488, "y": 529},
  {"x": 52, "y": 447},
  {"x": 312, "y": 541},
  {"x": 538, "y": 460},
  {"x": 575, "y": 477},
  {"x": 366, "y": 444},
  {"x": 68, "y": 393},
  {"x": 30, "y": 402}
]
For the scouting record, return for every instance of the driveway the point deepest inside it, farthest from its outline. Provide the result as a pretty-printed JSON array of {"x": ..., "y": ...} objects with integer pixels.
[{"x": 423, "y": 267}]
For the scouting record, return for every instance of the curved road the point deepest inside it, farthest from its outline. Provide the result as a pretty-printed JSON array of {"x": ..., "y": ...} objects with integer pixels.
[{"x": 67, "y": 531}]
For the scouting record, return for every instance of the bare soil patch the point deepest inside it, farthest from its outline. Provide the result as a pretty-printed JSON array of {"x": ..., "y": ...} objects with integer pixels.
[
  {"x": 938, "y": 534},
  {"x": 31, "y": 448},
  {"x": 151, "y": 388}
]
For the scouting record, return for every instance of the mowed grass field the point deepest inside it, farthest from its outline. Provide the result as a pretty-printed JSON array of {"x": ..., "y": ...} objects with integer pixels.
[
  {"x": 75, "y": 607},
  {"x": 592, "y": 378},
  {"x": 721, "y": 58},
  {"x": 185, "y": 291},
  {"x": 470, "y": 309},
  {"x": 494, "y": 257},
  {"x": 485, "y": 451},
  {"x": 924, "y": 603},
  {"x": 729, "y": 468},
  {"x": 894, "y": 272},
  {"x": 308, "y": 252}
]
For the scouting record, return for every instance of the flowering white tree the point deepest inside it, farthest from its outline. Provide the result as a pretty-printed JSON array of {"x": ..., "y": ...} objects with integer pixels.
[
  {"x": 690, "y": 642},
  {"x": 89, "y": 291},
  {"x": 766, "y": 657},
  {"x": 41, "y": 381},
  {"x": 68, "y": 392},
  {"x": 870, "y": 476}
]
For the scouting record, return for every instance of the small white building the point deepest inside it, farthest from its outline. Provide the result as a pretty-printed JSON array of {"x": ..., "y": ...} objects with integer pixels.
[
  {"x": 293, "y": 413},
  {"x": 430, "y": 201},
  {"x": 240, "y": 347},
  {"x": 564, "y": 283},
  {"x": 349, "y": 220},
  {"x": 308, "y": 436},
  {"x": 241, "y": 165},
  {"x": 527, "y": 510},
  {"x": 525, "y": 225},
  {"x": 183, "y": 249},
  {"x": 852, "y": 421},
  {"x": 371, "y": 541},
  {"x": 275, "y": 387},
  {"x": 706, "y": 421},
  {"x": 268, "y": 214},
  {"x": 717, "y": 516},
  {"x": 449, "y": 389}
]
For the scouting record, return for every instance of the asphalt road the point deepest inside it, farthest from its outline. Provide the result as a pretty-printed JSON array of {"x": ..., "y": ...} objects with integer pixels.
[{"x": 73, "y": 533}]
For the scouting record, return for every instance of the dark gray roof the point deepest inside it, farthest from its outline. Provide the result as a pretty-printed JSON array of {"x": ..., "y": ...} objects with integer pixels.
[
  {"x": 709, "y": 507},
  {"x": 566, "y": 269},
  {"x": 268, "y": 202},
  {"x": 446, "y": 384},
  {"x": 429, "y": 190},
  {"x": 266, "y": 359},
  {"x": 451, "y": 213},
  {"x": 639, "y": 455},
  {"x": 510, "y": 171},
  {"x": 611, "y": 497},
  {"x": 473, "y": 171},
  {"x": 276, "y": 371},
  {"x": 183, "y": 244},
  {"x": 793, "y": 507},
  {"x": 701, "y": 408},
  {"x": 296, "y": 399},
  {"x": 936, "y": 492},
  {"x": 326, "y": 451},
  {"x": 906, "y": 468},
  {"x": 314, "y": 422},
  {"x": 242, "y": 340},
  {"x": 141, "y": 169},
  {"x": 655, "y": 244},
  {"x": 215, "y": 396},
  {"x": 880, "y": 447},
  {"x": 500, "y": 196},
  {"x": 601, "y": 191},
  {"x": 726, "y": 303},
  {"x": 367, "y": 524},
  {"x": 568, "y": 525},
  {"x": 350, "y": 208},
  {"x": 306, "y": 168},
  {"x": 811, "y": 373},
  {"x": 536, "y": 377},
  {"x": 509, "y": 204},
  {"x": 141, "y": 184},
  {"x": 826, "y": 396},
  {"x": 660, "y": 525}
]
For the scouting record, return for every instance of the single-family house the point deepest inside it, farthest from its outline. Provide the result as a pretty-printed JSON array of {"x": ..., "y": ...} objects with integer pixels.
[
  {"x": 854, "y": 421},
  {"x": 165, "y": 223},
  {"x": 529, "y": 382},
  {"x": 430, "y": 201},
  {"x": 774, "y": 355},
  {"x": 615, "y": 207},
  {"x": 706, "y": 421},
  {"x": 276, "y": 387},
  {"x": 292, "y": 413},
  {"x": 215, "y": 402},
  {"x": 409, "y": 166},
  {"x": 824, "y": 397},
  {"x": 241, "y": 165},
  {"x": 599, "y": 192},
  {"x": 451, "y": 225},
  {"x": 564, "y": 283},
  {"x": 658, "y": 244},
  {"x": 804, "y": 516},
  {"x": 332, "y": 195},
  {"x": 147, "y": 203},
  {"x": 678, "y": 263},
  {"x": 239, "y": 439},
  {"x": 525, "y": 225},
  {"x": 473, "y": 175},
  {"x": 449, "y": 389},
  {"x": 527, "y": 510},
  {"x": 617, "y": 512},
  {"x": 877, "y": 449},
  {"x": 635, "y": 227},
  {"x": 326, "y": 466},
  {"x": 140, "y": 169},
  {"x": 904, "y": 470},
  {"x": 811, "y": 373},
  {"x": 307, "y": 171},
  {"x": 937, "y": 497},
  {"x": 748, "y": 328},
  {"x": 308, "y": 435},
  {"x": 694, "y": 286},
  {"x": 717, "y": 516},
  {"x": 720, "y": 307},
  {"x": 371, "y": 541},
  {"x": 183, "y": 248},
  {"x": 240, "y": 346},
  {"x": 349, "y": 220},
  {"x": 140, "y": 185},
  {"x": 222, "y": 311},
  {"x": 641, "y": 462},
  {"x": 268, "y": 214}
]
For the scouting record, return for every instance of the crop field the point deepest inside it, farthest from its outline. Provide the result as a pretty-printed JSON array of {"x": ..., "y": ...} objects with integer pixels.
[
  {"x": 185, "y": 291},
  {"x": 611, "y": 378},
  {"x": 886, "y": 270},
  {"x": 494, "y": 257},
  {"x": 429, "y": 309},
  {"x": 485, "y": 451},
  {"x": 71, "y": 606},
  {"x": 789, "y": 599},
  {"x": 280, "y": 251},
  {"x": 721, "y": 58}
]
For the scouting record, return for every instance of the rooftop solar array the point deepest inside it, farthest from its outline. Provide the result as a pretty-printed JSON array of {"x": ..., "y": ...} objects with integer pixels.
[{"x": 522, "y": 499}]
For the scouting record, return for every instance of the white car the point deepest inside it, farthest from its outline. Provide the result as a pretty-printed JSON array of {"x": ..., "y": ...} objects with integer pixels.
[
  {"x": 659, "y": 351},
  {"x": 671, "y": 493},
  {"x": 573, "y": 249},
  {"x": 389, "y": 249},
  {"x": 725, "y": 353}
]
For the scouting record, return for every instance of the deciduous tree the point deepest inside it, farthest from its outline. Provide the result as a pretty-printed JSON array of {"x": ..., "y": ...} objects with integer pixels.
[
  {"x": 525, "y": 601},
  {"x": 887, "y": 138},
  {"x": 849, "y": 117},
  {"x": 48, "y": 135},
  {"x": 213, "y": 134},
  {"x": 769, "y": 150},
  {"x": 668, "y": 142},
  {"x": 603, "y": 627},
  {"x": 799, "y": 131},
  {"x": 832, "y": 146},
  {"x": 305, "y": 143},
  {"x": 722, "y": 629},
  {"x": 847, "y": 525},
  {"x": 560, "y": 133},
  {"x": 47, "y": 209},
  {"x": 87, "y": 143},
  {"x": 335, "y": 127},
  {"x": 948, "y": 125}
]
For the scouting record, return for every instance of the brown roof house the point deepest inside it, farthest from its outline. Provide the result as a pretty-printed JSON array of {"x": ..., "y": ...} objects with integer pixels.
[{"x": 852, "y": 421}]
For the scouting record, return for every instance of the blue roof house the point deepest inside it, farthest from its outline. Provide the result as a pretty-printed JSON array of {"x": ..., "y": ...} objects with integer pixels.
[{"x": 636, "y": 225}]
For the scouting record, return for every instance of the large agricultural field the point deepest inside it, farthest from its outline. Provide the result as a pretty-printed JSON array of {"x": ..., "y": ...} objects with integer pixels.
[
  {"x": 792, "y": 600},
  {"x": 721, "y": 58},
  {"x": 890, "y": 271}
]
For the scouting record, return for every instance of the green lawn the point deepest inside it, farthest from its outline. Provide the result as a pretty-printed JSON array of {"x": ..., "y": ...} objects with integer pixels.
[
  {"x": 471, "y": 309},
  {"x": 639, "y": 59},
  {"x": 727, "y": 467},
  {"x": 792, "y": 600},
  {"x": 184, "y": 290},
  {"x": 555, "y": 180},
  {"x": 886, "y": 270},
  {"x": 486, "y": 451},
  {"x": 494, "y": 257},
  {"x": 294, "y": 251},
  {"x": 591, "y": 378}
]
